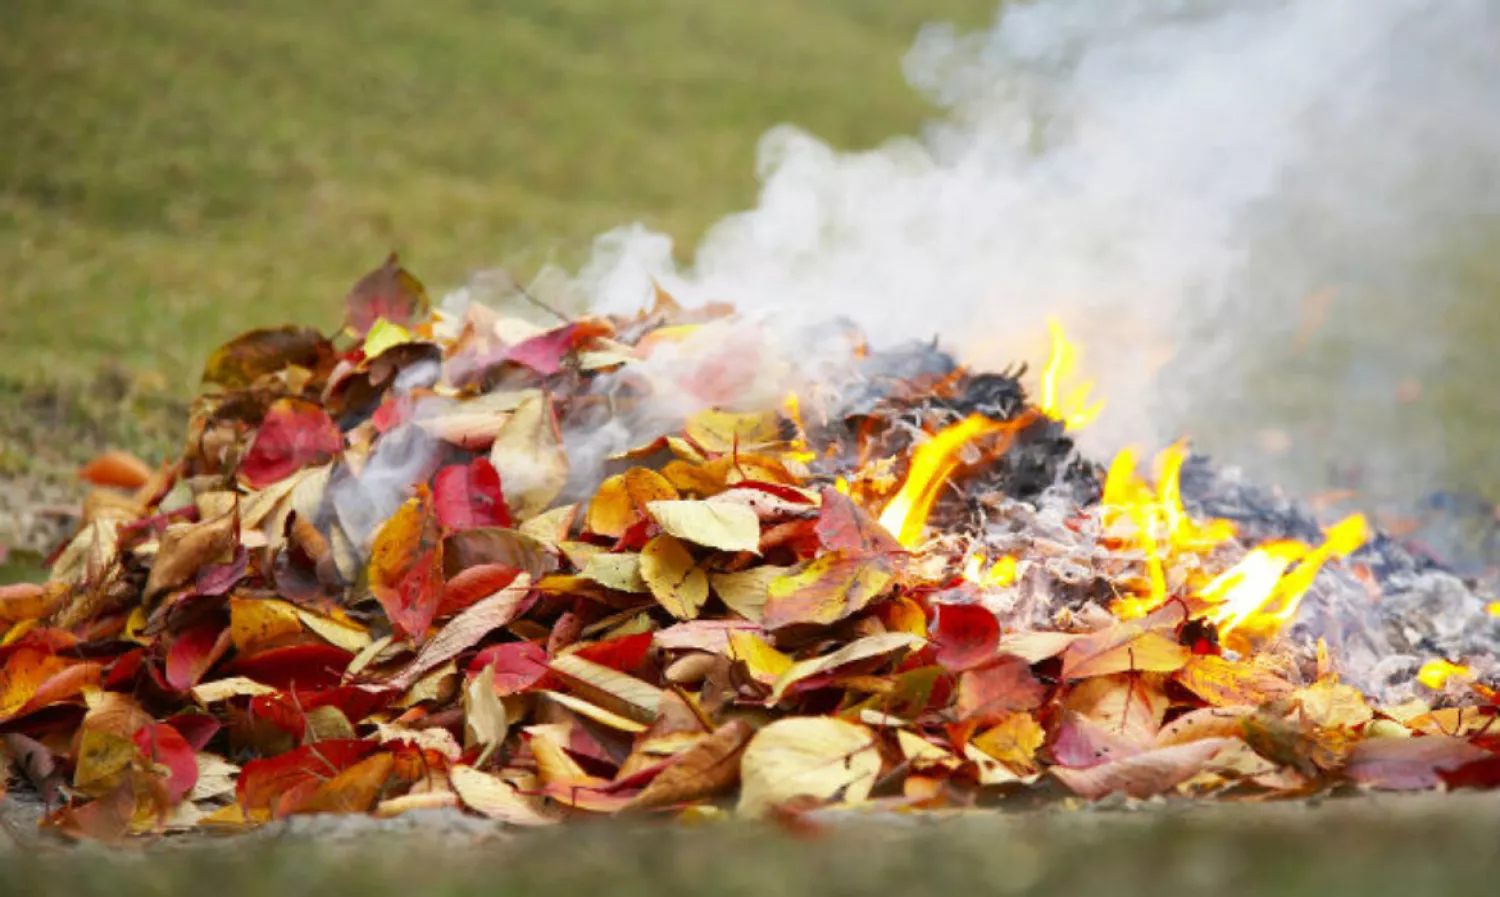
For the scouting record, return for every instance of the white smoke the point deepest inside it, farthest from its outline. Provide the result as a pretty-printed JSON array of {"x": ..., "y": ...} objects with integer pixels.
[{"x": 1170, "y": 179}]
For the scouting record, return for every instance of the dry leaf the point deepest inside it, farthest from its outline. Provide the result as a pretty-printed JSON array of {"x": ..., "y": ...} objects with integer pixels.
[
  {"x": 807, "y": 757},
  {"x": 722, "y": 525},
  {"x": 674, "y": 578},
  {"x": 708, "y": 768},
  {"x": 528, "y": 454},
  {"x": 492, "y": 796},
  {"x": 859, "y": 649}
]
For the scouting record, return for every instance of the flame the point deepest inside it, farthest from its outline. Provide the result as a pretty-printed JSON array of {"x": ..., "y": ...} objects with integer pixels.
[
  {"x": 1260, "y": 594},
  {"x": 1000, "y": 574},
  {"x": 1435, "y": 673},
  {"x": 1493, "y": 608},
  {"x": 792, "y": 408},
  {"x": 931, "y": 464},
  {"x": 1072, "y": 408}
]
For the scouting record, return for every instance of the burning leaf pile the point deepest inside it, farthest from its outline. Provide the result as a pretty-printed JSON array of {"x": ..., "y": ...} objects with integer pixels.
[{"x": 389, "y": 575}]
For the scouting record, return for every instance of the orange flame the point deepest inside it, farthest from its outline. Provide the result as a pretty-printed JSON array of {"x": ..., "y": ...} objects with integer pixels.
[
  {"x": 1000, "y": 574},
  {"x": 799, "y": 451},
  {"x": 931, "y": 464},
  {"x": 1072, "y": 407}
]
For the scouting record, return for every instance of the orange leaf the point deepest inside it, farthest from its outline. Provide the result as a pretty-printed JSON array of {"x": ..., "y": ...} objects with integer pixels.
[
  {"x": 707, "y": 768},
  {"x": 1123, "y": 648},
  {"x": 1226, "y": 683},
  {"x": 406, "y": 565},
  {"x": 121, "y": 470},
  {"x": 22, "y": 674},
  {"x": 829, "y": 589},
  {"x": 354, "y": 790}
]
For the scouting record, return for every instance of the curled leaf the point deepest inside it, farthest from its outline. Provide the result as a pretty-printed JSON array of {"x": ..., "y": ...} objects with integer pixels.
[{"x": 807, "y": 757}]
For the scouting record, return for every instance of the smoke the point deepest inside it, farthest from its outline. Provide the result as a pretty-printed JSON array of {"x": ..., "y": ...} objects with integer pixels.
[{"x": 1172, "y": 180}]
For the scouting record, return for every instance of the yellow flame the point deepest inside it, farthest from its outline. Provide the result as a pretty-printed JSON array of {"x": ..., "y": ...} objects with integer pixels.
[
  {"x": 1260, "y": 595},
  {"x": 1435, "y": 673},
  {"x": 1493, "y": 608},
  {"x": 1000, "y": 574},
  {"x": 791, "y": 406},
  {"x": 931, "y": 463},
  {"x": 1072, "y": 407}
]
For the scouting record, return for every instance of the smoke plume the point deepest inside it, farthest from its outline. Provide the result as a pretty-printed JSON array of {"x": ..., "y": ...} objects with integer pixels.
[{"x": 1172, "y": 179}]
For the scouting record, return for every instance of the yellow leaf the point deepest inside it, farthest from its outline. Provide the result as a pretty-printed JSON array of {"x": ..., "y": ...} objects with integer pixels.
[
  {"x": 385, "y": 335},
  {"x": 595, "y": 712},
  {"x": 674, "y": 578},
  {"x": 621, "y": 572},
  {"x": 485, "y": 722},
  {"x": 492, "y": 796},
  {"x": 826, "y": 591},
  {"x": 550, "y": 528},
  {"x": 632, "y": 697},
  {"x": 746, "y": 592},
  {"x": 723, "y": 525},
  {"x": 621, "y": 500},
  {"x": 340, "y": 633},
  {"x": 859, "y": 649},
  {"x": 1328, "y": 703},
  {"x": 255, "y": 622},
  {"x": 764, "y": 662},
  {"x": 923, "y": 754},
  {"x": 991, "y": 771},
  {"x": 726, "y": 431},
  {"x": 805, "y": 756},
  {"x": 529, "y": 455},
  {"x": 706, "y": 768},
  {"x": 1013, "y": 741},
  {"x": 223, "y": 689},
  {"x": 102, "y": 758}
]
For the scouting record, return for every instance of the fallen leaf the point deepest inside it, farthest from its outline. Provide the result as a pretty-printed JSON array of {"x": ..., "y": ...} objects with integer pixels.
[
  {"x": 193, "y": 652},
  {"x": 473, "y": 584},
  {"x": 829, "y": 589},
  {"x": 1131, "y": 706},
  {"x": 1409, "y": 764},
  {"x": 620, "y": 501},
  {"x": 987, "y": 694},
  {"x": 1014, "y": 741},
  {"x": 704, "y": 770},
  {"x": 492, "y": 796},
  {"x": 256, "y": 623},
  {"x": 1329, "y": 703},
  {"x": 1123, "y": 648},
  {"x": 22, "y": 674},
  {"x": 406, "y": 565},
  {"x": 845, "y": 526},
  {"x": 859, "y": 649},
  {"x": 1145, "y": 774},
  {"x": 295, "y": 434},
  {"x": 466, "y": 629},
  {"x": 267, "y": 783},
  {"x": 389, "y": 292},
  {"x": 161, "y": 744},
  {"x": 674, "y": 578},
  {"x": 966, "y": 635},
  {"x": 747, "y": 591},
  {"x": 250, "y": 356},
  {"x": 807, "y": 757},
  {"x": 621, "y": 572},
  {"x": 725, "y": 431},
  {"x": 186, "y": 548},
  {"x": 120, "y": 470},
  {"x": 352, "y": 790},
  {"x": 466, "y": 496},
  {"x": 513, "y": 666},
  {"x": 302, "y": 666},
  {"x": 632, "y": 697},
  {"x": 721, "y": 525},
  {"x": 30, "y": 601},
  {"x": 544, "y": 353},
  {"x": 485, "y": 722},
  {"x": 529, "y": 455},
  {"x": 1227, "y": 683}
]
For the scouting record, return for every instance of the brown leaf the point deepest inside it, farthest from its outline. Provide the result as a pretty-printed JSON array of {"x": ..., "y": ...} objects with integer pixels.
[
  {"x": 845, "y": 526},
  {"x": 1145, "y": 774},
  {"x": 388, "y": 292},
  {"x": 1409, "y": 764},
  {"x": 859, "y": 649},
  {"x": 990, "y": 693},
  {"x": 709, "y": 767},
  {"x": 186, "y": 548},
  {"x": 250, "y": 356},
  {"x": 1227, "y": 683}
]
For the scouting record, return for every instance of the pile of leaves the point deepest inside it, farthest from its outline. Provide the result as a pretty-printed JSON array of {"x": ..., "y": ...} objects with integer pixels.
[{"x": 721, "y": 628}]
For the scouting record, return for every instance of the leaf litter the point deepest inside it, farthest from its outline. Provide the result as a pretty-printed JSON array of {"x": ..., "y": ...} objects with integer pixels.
[{"x": 267, "y": 627}]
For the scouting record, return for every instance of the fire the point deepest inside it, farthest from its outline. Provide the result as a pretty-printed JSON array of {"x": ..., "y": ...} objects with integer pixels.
[
  {"x": 905, "y": 516},
  {"x": 1435, "y": 673},
  {"x": 1072, "y": 407},
  {"x": 791, "y": 406},
  {"x": 1000, "y": 574}
]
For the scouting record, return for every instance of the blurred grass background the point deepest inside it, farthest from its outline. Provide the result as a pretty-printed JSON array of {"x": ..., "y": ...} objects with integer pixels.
[{"x": 173, "y": 172}]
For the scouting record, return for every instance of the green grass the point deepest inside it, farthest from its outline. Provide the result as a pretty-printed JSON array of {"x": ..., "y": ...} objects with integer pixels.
[{"x": 173, "y": 172}]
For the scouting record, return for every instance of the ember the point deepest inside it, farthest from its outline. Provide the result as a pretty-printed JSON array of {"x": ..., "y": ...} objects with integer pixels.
[{"x": 365, "y": 588}]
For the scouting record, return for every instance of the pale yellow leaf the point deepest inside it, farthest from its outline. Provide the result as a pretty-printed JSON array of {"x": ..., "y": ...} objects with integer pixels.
[
  {"x": 551, "y": 528},
  {"x": 224, "y": 689},
  {"x": 806, "y": 756},
  {"x": 485, "y": 722},
  {"x": 595, "y": 712},
  {"x": 636, "y": 698},
  {"x": 746, "y": 591},
  {"x": 492, "y": 796},
  {"x": 621, "y": 572},
  {"x": 726, "y": 526},
  {"x": 859, "y": 649},
  {"x": 215, "y": 777},
  {"x": 347, "y": 635},
  {"x": 529, "y": 455},
  {"x": 674, "y": 578}
]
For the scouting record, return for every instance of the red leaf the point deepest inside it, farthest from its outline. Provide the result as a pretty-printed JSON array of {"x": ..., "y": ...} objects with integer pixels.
[
  {"x": 197, "y": 728},
  {"x": 966, "y": 636},
  {"x": 193, "y": 651},
  {"x": 161, "y": 743},
  {"x": 624, "y": 654},
  {"x": 518, "y": 665},
  {"x": 1409, "y": 764},
  {"x": 406, "y": 564},
  {"x": 473, "y": 585},
  {"x": 987, "y": 694},
  {"x": 413, "y": 602},
  {"x": 272, "y": 783},
  {"x": 216, "y": 579},
  {"x": 393, "y": 412},
  {"x": 544, "y": 352},
  {"x": 1483, "y": 773},
  {"x": 281, "y": 711},
  {"x": 389, "y": 292},
  {"x": 295, "y": 434},
  {"x": 1080, "y": 743},
  {"x": 305, "y": 666},
  {"x": 843, "y": 525},
  {"x": 468, "y": 496}
]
